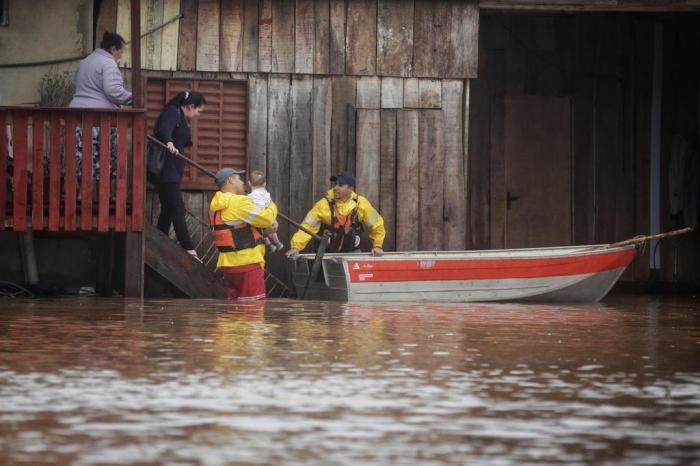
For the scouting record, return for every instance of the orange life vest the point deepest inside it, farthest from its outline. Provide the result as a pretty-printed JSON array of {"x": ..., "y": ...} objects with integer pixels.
[
  {"x": 344, "y": 230},
  {"x": 229, "y": 238}
]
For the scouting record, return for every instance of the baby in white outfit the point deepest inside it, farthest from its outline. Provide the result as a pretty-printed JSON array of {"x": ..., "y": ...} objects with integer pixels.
[{"x": 261, "y": 197}]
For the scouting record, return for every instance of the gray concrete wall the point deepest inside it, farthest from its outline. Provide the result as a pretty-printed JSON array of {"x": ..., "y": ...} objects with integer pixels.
[{"x": 41, "y": 30}]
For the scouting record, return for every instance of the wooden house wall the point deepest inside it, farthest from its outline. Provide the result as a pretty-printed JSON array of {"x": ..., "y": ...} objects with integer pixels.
[
  {"x": 397, "y": 91},
  {"x": 378, "y": 87},
  {"x": 420, "y": 38},
  {"x": 606, "y": 63}
]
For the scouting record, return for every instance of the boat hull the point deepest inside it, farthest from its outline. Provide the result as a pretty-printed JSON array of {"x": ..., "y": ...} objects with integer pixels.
[{"x": 573, "y": 274}]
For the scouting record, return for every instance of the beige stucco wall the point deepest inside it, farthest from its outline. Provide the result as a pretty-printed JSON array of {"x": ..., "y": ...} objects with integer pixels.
[{"x": 41, "y": 30}]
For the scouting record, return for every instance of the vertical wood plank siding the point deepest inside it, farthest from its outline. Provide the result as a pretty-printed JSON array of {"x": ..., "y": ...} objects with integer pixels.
[
  {"x": 337, "y": 40},
  {"x": 232, "y": 25},
  {"x": 344, "y": 95},
  {"x": 361, "y": 37},
  {"x": 387, "y": 176},
  {"x": 187, "y": 36},
  {"x": 279, "y": 131},
  {"x": 283, "y": 25},
  {"x": 455, "y": 214},
  {"x": 250, "y": 35},
  {"x": 301, "y": 196},
  {"x": 304, "y": 38},
  {"x": 407, "y": 176},
  {"x": 432, "y": 39},
  {"x": 321, "y": 135},
  {"x": 265, "y": 36},
  {"x": 322, "y": 37},
  {"x": 168, "y": 59},
  {"x": 368, "y": 150},
  {"x": 431, "y": 44},
  {"x": 337, "y": 85},
  {"x": 257, "y": 122},
  {"x": 152, "y": 44},
  {"x": 394, "y": 38},
  {"x": 431, "y": 163},
  {"x": 208, "y": 16}
]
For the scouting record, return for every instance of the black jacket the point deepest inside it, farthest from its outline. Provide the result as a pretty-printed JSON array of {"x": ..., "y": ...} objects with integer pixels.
[{"x": 172, "y": 127}]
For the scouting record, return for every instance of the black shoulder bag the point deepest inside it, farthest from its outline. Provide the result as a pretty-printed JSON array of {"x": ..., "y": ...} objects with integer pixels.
[{"x": 155, "y": 160}]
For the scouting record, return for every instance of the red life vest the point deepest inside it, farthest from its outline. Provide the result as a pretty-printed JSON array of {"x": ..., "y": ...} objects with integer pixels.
[
  {"x": 229, "y": 238},
  {"x": 344, "y": 230}
]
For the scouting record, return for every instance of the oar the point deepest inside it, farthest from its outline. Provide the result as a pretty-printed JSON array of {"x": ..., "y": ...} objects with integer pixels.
[
  {"x": 317, "y": 264},
  {"x": 183, "y": 157},
  {"x": 213, "y": 175}
]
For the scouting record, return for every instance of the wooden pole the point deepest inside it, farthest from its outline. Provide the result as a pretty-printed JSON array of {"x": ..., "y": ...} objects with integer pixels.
[
  {"x": 136, "y": 85},
  {"x": 134, "y": 273},
  {"x": 642, "y": 239},
  {"x": 213, "y": 175}
]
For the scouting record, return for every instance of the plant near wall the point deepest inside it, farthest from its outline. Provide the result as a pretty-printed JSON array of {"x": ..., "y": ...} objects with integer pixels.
[{"x": 56, "y": 89}]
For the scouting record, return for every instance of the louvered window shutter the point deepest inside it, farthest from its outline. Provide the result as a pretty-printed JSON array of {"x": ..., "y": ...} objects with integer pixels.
[{"x": 218, "y": 135}]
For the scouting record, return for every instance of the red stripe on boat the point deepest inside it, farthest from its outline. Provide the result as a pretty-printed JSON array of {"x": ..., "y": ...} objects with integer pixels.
[{"x": 362, "y": 271}]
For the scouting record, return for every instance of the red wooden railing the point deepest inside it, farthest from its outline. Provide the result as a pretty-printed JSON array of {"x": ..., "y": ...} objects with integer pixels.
[{"x": 40, "y": 188}]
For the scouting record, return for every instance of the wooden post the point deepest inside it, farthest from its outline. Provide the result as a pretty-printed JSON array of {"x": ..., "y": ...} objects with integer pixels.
[
  {"x": 135, "y": 240},
  {"x": 136, "y": 84}
]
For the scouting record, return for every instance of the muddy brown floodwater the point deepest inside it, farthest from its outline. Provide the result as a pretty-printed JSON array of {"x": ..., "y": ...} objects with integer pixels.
[{"x": 98, "y": 381}]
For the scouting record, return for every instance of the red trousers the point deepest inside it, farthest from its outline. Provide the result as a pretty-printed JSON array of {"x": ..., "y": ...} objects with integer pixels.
[{"x": 245, "y": 282}]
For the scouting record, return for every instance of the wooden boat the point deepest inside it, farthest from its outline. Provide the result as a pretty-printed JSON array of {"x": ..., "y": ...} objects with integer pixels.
[{"x": 558, "y": 274}]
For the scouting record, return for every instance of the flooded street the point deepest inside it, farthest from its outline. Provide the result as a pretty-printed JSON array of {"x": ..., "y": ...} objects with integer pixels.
[{"x": 98, "y": 381}]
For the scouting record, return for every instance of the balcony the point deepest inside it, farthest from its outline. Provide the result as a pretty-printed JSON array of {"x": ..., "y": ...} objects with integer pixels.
[{"x": 42, "y": 187}]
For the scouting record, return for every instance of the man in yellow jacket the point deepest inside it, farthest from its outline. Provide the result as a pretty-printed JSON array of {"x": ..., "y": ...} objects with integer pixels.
[
  {"x": 235, "y": 221},
  {"x": 342, "y": 214}
]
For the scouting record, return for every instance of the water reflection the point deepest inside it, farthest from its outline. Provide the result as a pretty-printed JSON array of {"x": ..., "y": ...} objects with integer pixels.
[{"x": 86, "y": 381}]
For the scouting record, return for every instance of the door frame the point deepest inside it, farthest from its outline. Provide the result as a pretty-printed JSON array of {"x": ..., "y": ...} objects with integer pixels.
[{"x": 498, "y": 184}]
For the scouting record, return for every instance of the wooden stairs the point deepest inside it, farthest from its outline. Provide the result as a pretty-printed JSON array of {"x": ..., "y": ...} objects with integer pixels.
[
  {"x": 165, "y": 257},
  {"x": 192, "y": 278}
]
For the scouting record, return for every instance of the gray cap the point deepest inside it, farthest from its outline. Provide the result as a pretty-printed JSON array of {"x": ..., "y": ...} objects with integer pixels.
[{"x": 224, "y": 174}]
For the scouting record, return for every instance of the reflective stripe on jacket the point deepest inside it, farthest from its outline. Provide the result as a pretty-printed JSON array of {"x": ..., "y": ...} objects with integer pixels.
[
  {"x": 320, "y": 214},
  {"x": 237, "y": 209}
]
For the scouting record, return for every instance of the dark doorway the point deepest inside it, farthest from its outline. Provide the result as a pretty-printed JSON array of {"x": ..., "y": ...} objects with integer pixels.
[{"x": 538, "y": 155}]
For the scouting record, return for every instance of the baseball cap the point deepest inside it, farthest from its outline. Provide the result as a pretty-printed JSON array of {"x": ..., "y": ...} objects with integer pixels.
[
  {"x": 224, "y": 174},
  {"x": 344, "y": 178}
]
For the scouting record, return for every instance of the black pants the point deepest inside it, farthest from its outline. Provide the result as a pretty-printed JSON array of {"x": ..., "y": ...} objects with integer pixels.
[{"x": 172, "y": 211}]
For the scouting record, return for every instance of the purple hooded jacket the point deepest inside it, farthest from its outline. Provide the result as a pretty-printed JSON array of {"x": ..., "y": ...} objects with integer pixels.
[{"x": 98, "y": 83}]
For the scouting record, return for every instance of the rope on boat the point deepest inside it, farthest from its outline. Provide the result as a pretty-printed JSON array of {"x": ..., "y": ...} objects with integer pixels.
[{"x": 643, "y": 239}]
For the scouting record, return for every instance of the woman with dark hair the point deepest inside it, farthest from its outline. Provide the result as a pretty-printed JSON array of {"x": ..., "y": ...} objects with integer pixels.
[
  {"x": 99, "y": 84},
  {"x": 173, "y": 129}
]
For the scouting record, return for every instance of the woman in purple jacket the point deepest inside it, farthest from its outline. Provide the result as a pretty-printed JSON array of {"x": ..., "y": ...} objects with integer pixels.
[
  {"x": 99, "y": 84},
  {"x": 173, "y": 129}
]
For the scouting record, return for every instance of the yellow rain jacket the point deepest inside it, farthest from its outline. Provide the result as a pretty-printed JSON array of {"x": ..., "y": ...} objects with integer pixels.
[
  {"x": 320, "y": 214},
  {"x": 237, "y": 207}
]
